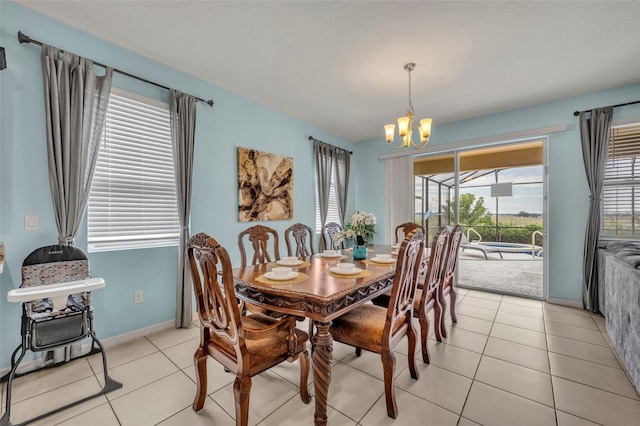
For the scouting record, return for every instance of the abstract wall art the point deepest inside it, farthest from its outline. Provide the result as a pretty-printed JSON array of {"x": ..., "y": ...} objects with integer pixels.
[{"x": 265, "y": 186}]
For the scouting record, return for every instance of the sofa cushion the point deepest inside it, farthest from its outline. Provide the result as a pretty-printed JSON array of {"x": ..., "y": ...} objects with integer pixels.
[
  {"x": 630, "y": 256},
  {"x": 616, "y": 246}
]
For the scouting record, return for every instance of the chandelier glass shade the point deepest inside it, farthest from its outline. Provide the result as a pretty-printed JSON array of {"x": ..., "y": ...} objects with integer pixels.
[{"x": 405, "y": 124}]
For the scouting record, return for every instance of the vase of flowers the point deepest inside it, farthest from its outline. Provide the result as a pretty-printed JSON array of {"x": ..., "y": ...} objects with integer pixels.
[{"x": 360, "y": 229}]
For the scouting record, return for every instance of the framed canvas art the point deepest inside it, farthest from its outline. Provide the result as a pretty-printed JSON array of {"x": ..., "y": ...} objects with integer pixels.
[{"x": 265, "y": 186}]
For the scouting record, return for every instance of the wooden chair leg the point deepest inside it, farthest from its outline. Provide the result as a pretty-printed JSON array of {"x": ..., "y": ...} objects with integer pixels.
[
  {"x": 304, "y": 376},
  {"x": 423, "y": 318},
  {"x": 241, "y": 391},
  {"x": 442, "y": 310},
  {"x": 452, "y": 302},
  {"x": 411, "y": 339},
  {"x": 438, "y": 319},
  {"x": 389, "y": 367},
  {"x": 200, "y": 362}
]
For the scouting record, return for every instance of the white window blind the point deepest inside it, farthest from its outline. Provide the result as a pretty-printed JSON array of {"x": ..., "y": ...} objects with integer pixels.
[
  {"x": 132, "y": 202},
  {"x": 621, "y": 193},
  {"x": 332, "y": 213}
]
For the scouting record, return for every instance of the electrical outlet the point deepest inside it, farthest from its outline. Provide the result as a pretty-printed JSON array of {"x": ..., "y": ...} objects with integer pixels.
[{"x": 137, "y": 296}]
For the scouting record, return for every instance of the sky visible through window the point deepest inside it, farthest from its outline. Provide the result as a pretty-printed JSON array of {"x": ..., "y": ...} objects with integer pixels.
[{"x": 527, "y": 190}]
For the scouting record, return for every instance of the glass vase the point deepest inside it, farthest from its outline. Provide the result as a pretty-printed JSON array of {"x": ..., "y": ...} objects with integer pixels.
[{"x": 360, "y": 248}]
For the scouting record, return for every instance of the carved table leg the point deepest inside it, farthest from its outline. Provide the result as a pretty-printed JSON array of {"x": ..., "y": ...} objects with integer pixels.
[{"x": 322, "y": 349}]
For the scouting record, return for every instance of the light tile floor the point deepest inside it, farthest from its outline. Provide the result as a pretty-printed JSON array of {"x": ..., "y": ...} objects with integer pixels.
[{"x": 508, "y": 361}]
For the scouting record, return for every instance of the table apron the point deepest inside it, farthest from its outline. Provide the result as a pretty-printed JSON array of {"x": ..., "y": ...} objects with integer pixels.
[{"x": 319, "y": 310}]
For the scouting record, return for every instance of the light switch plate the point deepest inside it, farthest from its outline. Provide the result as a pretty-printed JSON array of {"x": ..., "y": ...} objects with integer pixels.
[{"x": 31, "y": 222}]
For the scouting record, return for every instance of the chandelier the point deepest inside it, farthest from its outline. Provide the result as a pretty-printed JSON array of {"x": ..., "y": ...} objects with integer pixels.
[{"x": 405, "y": 124}]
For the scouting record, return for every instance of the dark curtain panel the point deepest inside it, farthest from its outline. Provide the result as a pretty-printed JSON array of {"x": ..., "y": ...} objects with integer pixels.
[
  {"x": 324, "y": 165},
  {"x": 342, "y": 168},
  {"x": 183, "y": 126},
  {"x": 331, "y": 159},
  {"x": 75, "y": 101},
  {"x": 595, "y": 132}
]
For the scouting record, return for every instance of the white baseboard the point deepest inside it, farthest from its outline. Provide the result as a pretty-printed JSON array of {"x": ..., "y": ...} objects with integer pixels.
[
  {"x": 565, "y": 302},
  {"x": 108, "y": 342}
]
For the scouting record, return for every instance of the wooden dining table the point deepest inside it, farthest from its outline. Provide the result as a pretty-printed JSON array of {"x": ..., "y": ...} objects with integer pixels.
[{"x": 320, "y": 295}]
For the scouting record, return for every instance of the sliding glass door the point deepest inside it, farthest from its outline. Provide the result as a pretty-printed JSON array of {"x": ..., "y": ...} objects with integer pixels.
[{"x": 497, "y": 195}]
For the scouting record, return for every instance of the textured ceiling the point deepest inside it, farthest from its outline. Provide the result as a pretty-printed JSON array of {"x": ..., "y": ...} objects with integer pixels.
[{"x": 339, "y": 65}]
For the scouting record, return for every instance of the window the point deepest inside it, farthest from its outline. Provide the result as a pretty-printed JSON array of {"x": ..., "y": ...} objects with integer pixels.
[
  {"x": 332, "y": 213},
  {"x": 132, "y": 201},
  {"x": 621, "y": 193}
]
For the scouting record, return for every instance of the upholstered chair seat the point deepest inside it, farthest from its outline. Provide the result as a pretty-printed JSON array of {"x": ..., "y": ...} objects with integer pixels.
[
  {"x": 365, "y": 325},
  {"x": 266, "y": 351}
]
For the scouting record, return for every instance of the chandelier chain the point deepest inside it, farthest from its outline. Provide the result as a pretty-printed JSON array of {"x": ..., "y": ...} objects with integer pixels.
[{"x": 410, "y": 103}]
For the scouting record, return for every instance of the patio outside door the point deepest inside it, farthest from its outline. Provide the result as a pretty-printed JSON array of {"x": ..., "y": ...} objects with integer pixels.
[{"x": 497, "y": 195}]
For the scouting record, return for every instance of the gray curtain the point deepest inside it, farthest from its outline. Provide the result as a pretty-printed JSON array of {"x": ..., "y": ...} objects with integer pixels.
[
  {"x": 183, "y": 127},
  {"x": 595, "y": 133},
  {"x": 330, "y": 159},
  {"x": 342, "y": 167},
  {"x": 324, "y": 165},
  {"x": 75, "y": 101}
]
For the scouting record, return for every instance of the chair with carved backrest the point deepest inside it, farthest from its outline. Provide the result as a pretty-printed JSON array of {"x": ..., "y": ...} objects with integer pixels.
[
  {"x": 246, "y": 345},
  {"x": 427, "y": 294},
  {"x": 259, "y": 236},
  {"x": 427, "y": 297},
  {"x": 303, "y": 239},
  {"x": 328, "y": 231},
  {"x": 378, "y": 329},
  {"x": 406, "y": 229},
  {"x": 448, "y": 287}
]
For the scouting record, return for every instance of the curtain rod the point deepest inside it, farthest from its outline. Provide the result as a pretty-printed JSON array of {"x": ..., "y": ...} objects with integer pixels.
[
  {"x": 311, "y": 138},
  {"x": 22, "y": 38},
  {"x": 577, "y": 113}
]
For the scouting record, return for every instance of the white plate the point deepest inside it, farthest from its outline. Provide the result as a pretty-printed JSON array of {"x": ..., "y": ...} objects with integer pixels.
[
  {"x": 377, "y": 260},
  {"x": 395, "y": 252},
  {"x": 290, "y": 262},
  {"x": 330, "y": 255},
  {"x": 339, "y": 271},
  {"x": 291, "y": 275},
  {"x": 395, "y": 246}
]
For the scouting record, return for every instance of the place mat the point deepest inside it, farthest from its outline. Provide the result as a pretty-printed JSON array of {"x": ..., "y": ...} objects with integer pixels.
[
  {"x": 304, "y": 264},
  {"x": 300, "y": 278},
  {"x": 371, "y": 262},
  {"x": 361, "y": 274}
]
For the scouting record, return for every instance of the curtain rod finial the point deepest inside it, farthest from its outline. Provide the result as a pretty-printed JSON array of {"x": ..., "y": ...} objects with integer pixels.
[
  {"x": 311, "y": 138},
  {"x": 23, "y": 38},
  {"x": 576, "y": 113},
  {"x": 210, "y": 102}
]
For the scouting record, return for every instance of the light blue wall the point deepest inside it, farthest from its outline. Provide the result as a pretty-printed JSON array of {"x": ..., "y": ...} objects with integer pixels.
[
  {"x": 568, "y": 190},
  {"x": 221, "y": 130},
  {"x": 233, "y": 122}
]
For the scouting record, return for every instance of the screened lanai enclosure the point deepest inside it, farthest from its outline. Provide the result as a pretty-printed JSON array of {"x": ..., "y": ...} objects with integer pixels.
[{"x": 500, "y": 208}]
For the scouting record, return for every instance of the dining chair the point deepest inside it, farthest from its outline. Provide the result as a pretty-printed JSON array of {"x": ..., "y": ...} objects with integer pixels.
[
  {"x": 328, "y": 231},
  {"x": 428, "y": 297},
  {"x": 428, "y": 293},
  {"x": 406, "y": 228},
  {"x": 448, "y": 287},
  {"x": 303, "y": 239},
  {"x": 259, "y": 236},
  {"x": 378, "y": 329},
  {"x": 245, "y": 345}
]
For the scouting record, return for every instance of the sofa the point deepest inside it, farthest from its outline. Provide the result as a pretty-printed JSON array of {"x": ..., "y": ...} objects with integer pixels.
[{"x": 619, "y": 295}]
